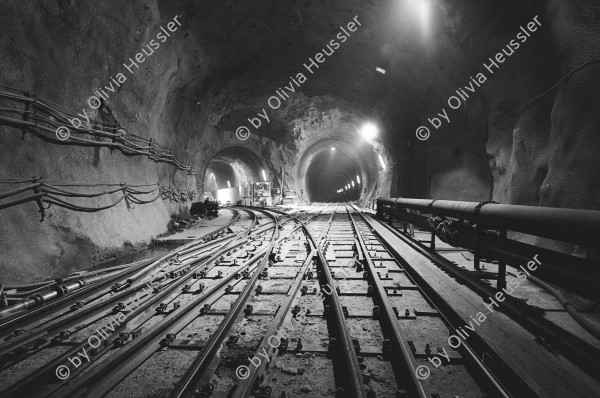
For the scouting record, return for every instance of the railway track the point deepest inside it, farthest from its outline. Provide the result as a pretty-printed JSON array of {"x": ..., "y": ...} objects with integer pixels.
[{"x": 314, "y": 303}]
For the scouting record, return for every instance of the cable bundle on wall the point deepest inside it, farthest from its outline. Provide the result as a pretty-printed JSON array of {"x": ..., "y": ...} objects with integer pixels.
[
  {"x": 46, "y": 193},
  {"x": 50, "y": 122}
]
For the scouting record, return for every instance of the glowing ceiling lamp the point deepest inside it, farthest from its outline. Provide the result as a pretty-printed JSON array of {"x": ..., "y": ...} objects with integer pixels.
[
  {"x": 264, "y": 175},
  {"x": 424, "y": 10},
  {"x": 369, "y": 131},
  {"x": 357, "y": 179},
  {"x": 228, "y": 184},
  {"x": 352, "y": 182},
  {"x": 332, "y": 149}
]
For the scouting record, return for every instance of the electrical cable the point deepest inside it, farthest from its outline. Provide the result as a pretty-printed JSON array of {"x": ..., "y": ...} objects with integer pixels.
[
  {"x": 528, "y": 103},
  {"x": 584, "y": 323},
  {"x": 42, "y": 118},
  {"x": 47, "y": 193}
]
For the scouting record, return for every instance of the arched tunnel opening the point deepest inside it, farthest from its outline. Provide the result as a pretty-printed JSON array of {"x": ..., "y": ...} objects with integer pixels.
[
  {"x": 333, "y": 176},
  {"x": 220, "y": 175},
  {"x": 230, "y": 171},
  {"x": 337, "y": 170}
]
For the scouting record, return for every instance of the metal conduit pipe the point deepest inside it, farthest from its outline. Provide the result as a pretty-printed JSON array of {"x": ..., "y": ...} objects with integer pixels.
[
  {"x": 105, "y": 270},
  {"x": 567, "y": 225},
  {"x": 28, "y": 293},
  {"x": 56, "y": 292},
  {"x": 579, "y": 276},
  {"x": 29, "y": 286}
]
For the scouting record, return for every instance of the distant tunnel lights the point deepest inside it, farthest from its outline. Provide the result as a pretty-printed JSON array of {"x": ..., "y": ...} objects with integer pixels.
[
  {"x": 332, "y": 148},
  {"x": 357, "y": 179},
  {"x": 352, "y": 182}
]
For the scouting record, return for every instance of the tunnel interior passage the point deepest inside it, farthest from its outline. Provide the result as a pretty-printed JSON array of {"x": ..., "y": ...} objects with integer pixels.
[
  {"x": 332, "y": 176},
  {"x": 229, "y": 170},
  {"x": 220, "y": 174}
]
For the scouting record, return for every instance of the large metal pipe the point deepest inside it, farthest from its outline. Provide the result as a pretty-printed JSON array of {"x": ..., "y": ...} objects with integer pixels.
[
  {"x": 577, "y": 274},
  {"x": 568, "y": 225}
]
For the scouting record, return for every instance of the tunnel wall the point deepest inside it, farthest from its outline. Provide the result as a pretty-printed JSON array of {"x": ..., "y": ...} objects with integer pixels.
[
  {"x": 62, "y": 51},
  {"x": 537, "y": 154},
  {"x": 220, "y": 68}
]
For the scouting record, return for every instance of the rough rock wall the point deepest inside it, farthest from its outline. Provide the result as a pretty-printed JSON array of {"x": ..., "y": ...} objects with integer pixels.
[
  {"x": 514, "y": 136},
  {"x": 228, "y": 57},
  {"x": 545, "y": 153},
  {"x": 573, "y": 177},
  {"x": 541, "y": 107},
  {"x": 62, "y": 51}
]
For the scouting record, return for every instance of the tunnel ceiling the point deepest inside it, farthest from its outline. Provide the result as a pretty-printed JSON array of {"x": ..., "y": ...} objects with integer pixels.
[
  {"x": 230, "y": 61},
  {"x": 251, "y": 50},
  {"x": 243, "y": 55},
  {"x": 251, "y": 57},
  {"x": 527, "y": 135}
]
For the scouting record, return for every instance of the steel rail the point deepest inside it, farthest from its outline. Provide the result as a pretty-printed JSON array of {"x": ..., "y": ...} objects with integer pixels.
[
  {"x": 197, "y": 370},
  {"x": 72, "y": 318},
  {"x": 100, "y": 380},
  {"x": 60, "y": 295},
  {"x": 404, "y": 356},
  {"x": 350, "y": 375},
  {"x": 246, "y": 386},
  {"x": 89, "y": 289},
  {"x": 46, "y": 373},
  {"x": 120, "y": 286},
  {"x": 199, "y": 374},
  {"x": 583, "y": 354},
  {"x": 567, "y": 225},
  {"x": 38, "y": 338},
  {"x": 485, "y": 376},
  {"x": 206, "y": 362}
]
